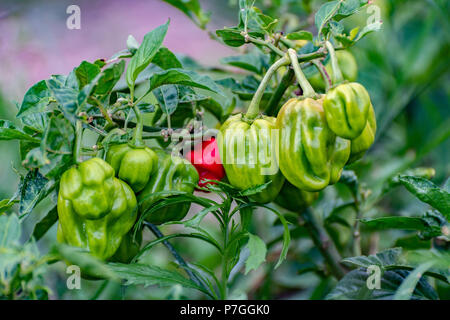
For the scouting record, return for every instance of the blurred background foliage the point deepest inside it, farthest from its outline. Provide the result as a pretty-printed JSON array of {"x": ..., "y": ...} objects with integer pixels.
[{"x": 404, "y": 67}]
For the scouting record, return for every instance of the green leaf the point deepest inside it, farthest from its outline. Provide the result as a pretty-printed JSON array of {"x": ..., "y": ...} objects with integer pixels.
[
  {"x": 233, "y": 38},
  {"x": 166, "y": 59},
  {"x": 193, "y": 10},
  {"x": 6, "y": 204},
  {"x": 66, "y": 96},
  {"x": 428, "y": 192},
  {"x": 349, "y": 7},
  {"x": 183, "y": 77},
  {"x": 258, "y": 250},
  {"x": 8, "y": 131},
  {"x": 354, "y": 287},
  {"x": 41, "y": 228},
  {"x": 300, "y": 35},
  {"x": 144, "y": 55},
  {"x": 250, "y": 62},
  {"x": 406, "y": 289},
  {"x": 89, "y": 265},
  {"x": 325, "y": 13},
  {"x": 35, "y": 100},
  {"x": 34, "y": 188},
  {"x": 146, "y": 275},
  {"x": 10, "y": 232},
  {"x": 167, "y": 96},
  {"x": 404, "y": 223},
  {"x": 254, "y": 190},
  {"x": 384, "y": 258},
  {"x": 132, "y": 44},
  {"x": 86, "y": 72}
]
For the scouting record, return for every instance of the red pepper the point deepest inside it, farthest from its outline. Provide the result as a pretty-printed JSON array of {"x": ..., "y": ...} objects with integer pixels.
[{"x": 206, "y": 160}]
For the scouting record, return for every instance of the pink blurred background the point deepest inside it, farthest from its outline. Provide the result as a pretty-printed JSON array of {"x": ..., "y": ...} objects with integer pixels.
[{"x": 35, "y": 42}]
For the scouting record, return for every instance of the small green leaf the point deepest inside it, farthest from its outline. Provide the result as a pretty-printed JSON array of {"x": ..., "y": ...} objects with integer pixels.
[
  {"x": 166, "y": 59},
  {"x": 6, "y": 204},
  {"x": 258, "y": 250},
  {"x": 325, "y": 13},
  {"x": 233, "y": 38},
  {"x": 300, "y": 35},
  {"x": 167, "y": 96},
  {"x": 192, "y": 9},
  {"x": 86, "y": 72},
  {"x": 34, "y": 188},
  {"x": 405, "y": 223},
  {"x": 45, "y": 224},
  {"x": 144, "y": 55},
  {"x": 250, "y": 62}
]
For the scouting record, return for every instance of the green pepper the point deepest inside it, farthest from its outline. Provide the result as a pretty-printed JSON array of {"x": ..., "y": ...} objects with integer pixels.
[
  {"x": 362, "y": 143},
  {"x": 128, "y": 248},
  {"x": 294, "y": 199},
  {"x": 132, "y": 165},
  {"x": 311, "y": 156},
  {"x": 347, "y": 109},
  {"x": 95, "y": 209},
  {"x": 173, "y": 174},
  {"x": 248, "y": 153},
  {"x": 347, "y": 64}
]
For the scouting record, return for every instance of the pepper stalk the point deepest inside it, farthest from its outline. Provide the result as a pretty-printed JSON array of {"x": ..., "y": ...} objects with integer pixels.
[
  {"x": 308, "y": 90},
  {"x": 137, "y": 141},
  {"x": 253, "y": 108},
  {"x": 337, "y": 74}
]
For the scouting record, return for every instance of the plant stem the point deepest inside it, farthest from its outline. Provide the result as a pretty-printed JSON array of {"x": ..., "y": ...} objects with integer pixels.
[
  {"x": 154, "y": 229},
  {"x": 323, "y": 72},
  {"x": 308, "y": 90},
  {"x": 355, "y": 231},
  {"x": 103, "y": 111},
  {"x": 78, "y": 138},
  {"x": 263, "y": 43},
  {"x": 286, "y": 81},
  {"x": 337, "y": 74},
  {"x": 253, "y": 108},
  {"x": 137, "y": 135},
  {"x": 323, "y": 243}
]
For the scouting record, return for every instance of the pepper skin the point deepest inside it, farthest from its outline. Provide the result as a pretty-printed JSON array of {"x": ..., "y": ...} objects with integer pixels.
[
  {"x": 347, "y": 64},
  {"x": 311, "y": 156},
  {"x": 132, "y": 165},
  {"x": 128, "y": 248},
  {"x": 362, "y": 143},
  {"x": 294, "y": 199},
  {"x": 95, "y": 209},
  {"x": 347, "y": 109},
  {"x": 248, "y": 153},
  {"x": 172, "y": 174},
  {"x": 207, "y": 162}
]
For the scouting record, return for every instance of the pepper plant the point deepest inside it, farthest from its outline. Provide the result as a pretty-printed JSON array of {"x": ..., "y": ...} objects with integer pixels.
[{"x": 151, "y": 148}]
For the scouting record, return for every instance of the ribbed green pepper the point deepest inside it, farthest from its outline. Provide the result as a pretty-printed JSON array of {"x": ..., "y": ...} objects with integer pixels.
[
  {"x": 248, "y": 153},
  {"x": 294, "y": 199},
  {"x": 128, "y": 248},
  {"x": 347, "y": 109},
  {"x": 362, "y": 143},
  {"x": 95, "y": 209},
  {"x": 132, "y": 165},
  {"x": 311, "y": 156},
  {"x": 347, "y": 64},
  {"x": 172, "y": 174}
]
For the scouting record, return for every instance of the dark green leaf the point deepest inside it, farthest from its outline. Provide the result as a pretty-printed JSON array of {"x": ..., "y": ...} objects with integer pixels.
[
  {"x": 405, "y": 223},
  {"x": 250, "y": 62},
  {"x": 166, "y": 59},
  {"x": 325, "y": 13},
  {"x": 300, "y": 35},
  {"x": 192, "y": 9},
  {"x": 428, "y": 192},
  {"x": 34, "y": 188},
  {"x": 8, "y": 131},
  {"x": 167, "y": 96},
  {"x": 45, "y": 224},
  {"x": 86, "y": 72},
  {"x": 35, "y": 100},
  {"x": 233, "y": 38},
  {"x": 183, "y": 77}
]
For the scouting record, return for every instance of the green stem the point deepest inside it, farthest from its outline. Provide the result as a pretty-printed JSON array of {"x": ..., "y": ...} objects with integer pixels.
[
  {"x": 323, "y": 243},
  {"x": 104, "y": 112},
  {"x": 263, "y": 43},
  {"x": 286, "y": 81},
  {"x": 323, "y": 72},
  {"x": 137, "y": 135},
  {"x": 253, "y": 108},
  {"x": 337, "y": 74},
  {"x": 308, "y": 90},
  {"x": 78, "y": 138}
]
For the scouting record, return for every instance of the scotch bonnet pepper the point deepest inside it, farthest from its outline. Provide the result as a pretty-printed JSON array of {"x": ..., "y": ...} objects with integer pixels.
[
  {"x": 347, "y": 109},
  {"x": 132, "y": 165},
  {"x": 311, "y": 156},
  {"x": 173, "y": 174},
  {"x": 363, "y": 142},
  {"x": 95, "y": 209},
  {"x": 206, "y": 159},
  {"x": 248, "y": 153}
]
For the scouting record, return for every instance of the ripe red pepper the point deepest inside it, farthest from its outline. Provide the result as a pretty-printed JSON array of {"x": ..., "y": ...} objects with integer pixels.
[{"x": 206, "y": 159}]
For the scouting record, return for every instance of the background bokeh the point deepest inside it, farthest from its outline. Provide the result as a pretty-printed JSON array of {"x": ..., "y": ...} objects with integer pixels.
[{"x": 404, "y": 66}]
